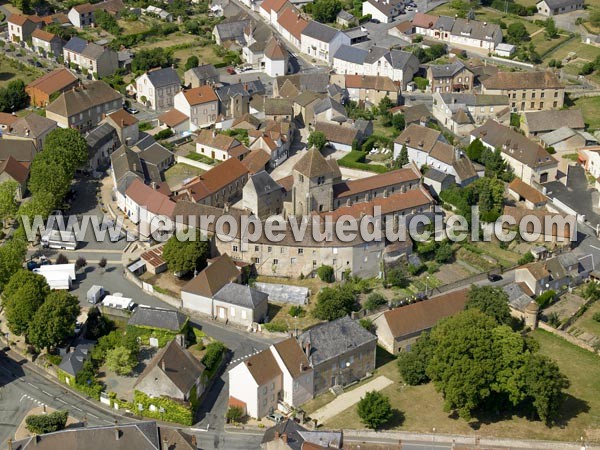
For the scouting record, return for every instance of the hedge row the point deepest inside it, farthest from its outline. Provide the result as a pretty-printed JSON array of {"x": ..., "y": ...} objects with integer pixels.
[
  {"x": 355, "y": 160},
  {"x": 174, "y": 411}
]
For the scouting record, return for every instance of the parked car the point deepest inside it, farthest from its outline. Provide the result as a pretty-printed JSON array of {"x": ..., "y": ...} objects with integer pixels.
[
  {"x": 131, "y": 109},
  {"x": 32, "y": 265},
  {"x": 231, "y": 71},
  {"x": 493, "y": 277},
  {"x": 275, "y": 417},
  {"x": 375, "y": 20}
]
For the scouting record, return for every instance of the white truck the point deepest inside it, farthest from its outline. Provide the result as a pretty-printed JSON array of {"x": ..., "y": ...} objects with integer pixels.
[
  {"x": 61, "y": 240},
  {"x": 58, "y": 276}
]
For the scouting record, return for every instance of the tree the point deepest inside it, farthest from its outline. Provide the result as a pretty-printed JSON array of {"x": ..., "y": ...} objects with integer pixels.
[
  {"x": 23, "y": 296},
  {"x": 413, "y": 364},
  {"x": 517, "y": 33},
  {"x": 67, "y": 147},
  {"x": 40, "y": 204},
  {"x": 234, "y": 414},
  {"x": 402, "y": 159},
  {"x": 54, "y": 320},
  {"x": 80, "y": 263},
  {"x": 147, "y": 59},
  {"x": 368, "y": 325},
  {"x": 374, "y": 300},
  {"x": 213, "y": 355},
  {"x": 591, "y": 291},
  {"x": 325, "y": 11},
  {"x": 526, "y": 259},
  {"x": 107, "y": 22},
  {"x": 492, "y": 301},
  {"x": 46, "y": 423},
  {"x": 396, "y": 277},
  {"x": 185, "y": 256},
  {"x": 13, "y": 97},
  {"x": 545, "y": 298},
  {"x": 384, "y": 105},
  {"x": 421, "y": 83},
  {"x": 317, "y": 140},
  {"x": 334, "y": 302},
  {"x": 374, "y": 409},
  {"x": 49, "y": 176},
  {"x": 475, "y": 149},
  {"x": 62, "y": 259},
  {"x": 192, "y": 62},
  {"x": 120, "y": 360},
  {"x": 551, "y": 31},
  {"x": 97, "y": 325},
  {"x": 444, "y": 252},
  {"x": 8, "y": 202},
  {"x": 326, "y": 273},
  {"x": 398, "y": 121}
]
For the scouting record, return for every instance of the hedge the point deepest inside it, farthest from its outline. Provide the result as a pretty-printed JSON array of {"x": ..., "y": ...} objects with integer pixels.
[
  {"x": 47, "y": 423},
  {"x": 145, "y": 333},
  {"x": 354, "y": 160},
  {"x": 174, "y": 411},
  {"x": 92, "y": 391}
]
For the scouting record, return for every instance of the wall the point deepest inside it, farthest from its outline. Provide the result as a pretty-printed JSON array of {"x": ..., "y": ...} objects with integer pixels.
[{"x": 191, "y": 162}]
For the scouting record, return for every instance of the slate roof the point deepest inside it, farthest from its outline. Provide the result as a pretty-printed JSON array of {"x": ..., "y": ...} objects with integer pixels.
[
  {"x": 93, "y": 51},
  {"x": 132, "y": 436},
  {"x": 125, "y": 160},
  {"x": 164, "y": 319},
  {"x": 14, "y": 169},
  {"x": 163, "y": 77},
  {"x": 156, "y": 154},
  {"x": 23, "y": 150},
  {"x": 75, "y": 101},
  {"x": 32, "y": 126},
  {"x": 245, "y": 89},
  {"x": 73, "y": 361},
  {"x": 320, "y": 32},
  {"x": 99, "y": 136},
  {"x": 179, "y": 366},
  {"x": 435, "y": 175},
  {"x": 551, "y": 120},
  {"x": 233, "y": 30},
  {"x": 462, "y": 100},
  {"x": 513, "y": 144},
  {"x": 555, "y": 4},
  {"x": 446, "y": 70},
  {"x": 263, "y": 183},
  {"x": 315, "y": 82},
  {"x": 517, "y": 297},
  {"x": 291, "y": 429},
  {"x": 75, "y": 44},
  {"x": 241, "y": 295},
  {"x": 204, "y": 72},
  {"x": 337, "y": 133},
  {"x": 561, "y": 134},
  {"x": 331, "y": 339},
  {"x": 522, "y": 80},
  {"x": 337, "y": 110},
  {"x": 421, "y": 316},
  {"x": 388, "y": 8},
  {"x": 208, "y": 282}
]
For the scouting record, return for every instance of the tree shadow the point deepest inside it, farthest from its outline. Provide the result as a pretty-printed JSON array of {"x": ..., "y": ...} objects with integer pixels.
[
  {"x": 397, "y": 419},
  {"x": 5, "y": 76},
  {"x": 382, "y": 357},
  {"x": 273, "y": 310}
]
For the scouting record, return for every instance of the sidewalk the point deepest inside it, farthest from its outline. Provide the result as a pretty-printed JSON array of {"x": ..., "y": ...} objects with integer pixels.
[{"x": 348, "y": 399}]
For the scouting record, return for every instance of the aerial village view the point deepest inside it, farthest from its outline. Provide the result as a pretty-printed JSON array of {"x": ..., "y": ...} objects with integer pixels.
[{"x": 300, "y": 224}]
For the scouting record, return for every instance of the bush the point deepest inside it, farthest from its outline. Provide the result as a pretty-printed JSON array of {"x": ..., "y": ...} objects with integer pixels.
[
  {"x": 397, "y": 277},
  {"x": 326, "y": 273},
  {"x": 596, "y": 316},
  {"x": 355, "y": 160},
  {"x": 213, "y": 355},
  {"x": 297, "y": 311},
  {"x": 367, "y": 324},
  {"x": 234, "y": 414},
  {"x": 545, "y": 299},
  {"x": 276, "y": 327},
  {"x": 374, "y": 409},
  {"x": 374, "y": 300},
  {"x": 526, "y": 258},
  {"x": 47, "y": 423},
  {"x": 163, "y": 134}
]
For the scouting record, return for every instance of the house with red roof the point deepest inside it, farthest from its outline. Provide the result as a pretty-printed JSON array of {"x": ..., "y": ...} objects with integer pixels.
[
  {"x": 13, "y": 170},
  {"x": 145, "y": 202}
]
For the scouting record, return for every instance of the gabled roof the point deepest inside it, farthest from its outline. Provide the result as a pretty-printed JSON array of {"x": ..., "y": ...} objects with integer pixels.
[
  {"x": 125, "y": 160},
  {"x": 551, "y": 120},
  {"x": 353, "y": 187},
  {"x": 73, "y": 361},
  {"x": 293, "y": 357},
  {"x": 156, "y": 154},
  {"x": 99, "y": 136},
  {"x": 161, "y": 77},
  {"x": 75, "y": 44},
  {"x": 315, "y": 82},
  {"x": 43, "y": 35},
  {"x": 164, "y": 319},
  {"x": 23, "y": 150},
  {"x": 422, "y": 20},
  {"x": 177, "y": 364},
  {"x": 256, "y": 160},
  {"x": 522, "y": 80},
  {"x": 122, "y": 118},
  {"x": 555, "y": 4},
  {"x": 208, "y": 282},
  {"x": 419, "y": 137},
  {"x": 272, "y": 5},
  {"x": 54, "y": 81},
  {"x": 200, "y": 95},
  {"x": 446, "y": 70},
  {"x": 204, "y": 72},
  {"x": 14, "y": 169},
  {"x": 32, "y": 125},
  {"x": 292, "y": 431},
  {"x": 263, "y": 367},
  {"x": 274, "y": 50},
  {"x": 82, "y": 98},
  {"x": 320, "y": 32},
  {"x": 217, "y": 140},
  {"x": 278, "y": 106},
  {"x": 313, "y": 164},
  {"x": 331, "y": 339},
  {"x": 18, "y": 19},
  {"x": 263, "y": 183},
  {"x": 215, "y": 179},
  {"x": 172, "y": 118},
  {"x": 241, "y": 295},
  {"x": 291, "y": 20},
  {"x": 527, "y": 192},
  {"x": 154, "y": 201},
  {"x": 379, "y": 83},
  {"x": 336, "y": 133},
  {"x": 421, "y": 316}
]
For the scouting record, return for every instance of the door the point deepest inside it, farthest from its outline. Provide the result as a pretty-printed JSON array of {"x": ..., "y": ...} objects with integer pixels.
[{"x": 221, "y": 312}]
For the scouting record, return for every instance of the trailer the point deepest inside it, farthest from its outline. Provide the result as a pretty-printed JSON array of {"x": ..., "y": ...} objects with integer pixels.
[
  {"x": 95, "y": 294},
  {"x": 60, "y": 240},
  {"x": 67, "y": 268},
  {"x": 59, "y": 276},
  {"x": 117, "y": 301}
]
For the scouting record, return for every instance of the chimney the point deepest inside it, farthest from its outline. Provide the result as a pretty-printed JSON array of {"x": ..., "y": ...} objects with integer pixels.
[
  {"x": 277, "y": 435},
  {"x": 117, "y": 434},
  {"x": 214, "y": 133},
  {"x": 301, "y": 367},
  {"x": 163, "y": 365},
  {"x": 194, "y": 444},
  {"x": 307, "y": 349},
  {"x": 122, "y": 123},
  {"x": 284, "y": 438}
]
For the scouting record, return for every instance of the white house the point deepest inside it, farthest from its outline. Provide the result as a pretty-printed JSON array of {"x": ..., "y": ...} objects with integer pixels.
[
  {"x": 21, "y": 27},
  {"x": 276, "y": 61},
  {"x": 143, "y": 203},
  {"x": 383, "y": 10},
  {"x": 157, "y": 88},
  {"x": 554, "y": 7},
  {"x": 321, "y": 41},
  {"x": 505, "y": 50},
  {"x": 200, "y": 104},
  {"x": 219, "y": 146}
]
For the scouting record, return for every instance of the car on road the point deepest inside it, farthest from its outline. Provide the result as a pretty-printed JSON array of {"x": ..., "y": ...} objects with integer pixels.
[
  {"x": 32, "y": 265},
  {"x": 493, "y": 277},
  {"x": 231, "y": 71},
  {"x": 275, "y": 417},
  {"x": 375, "y": 20},
  {"x": 130, "y": 109}
]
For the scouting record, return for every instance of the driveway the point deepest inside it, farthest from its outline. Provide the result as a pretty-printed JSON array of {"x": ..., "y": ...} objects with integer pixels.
[{"x": 350, "y": 398}]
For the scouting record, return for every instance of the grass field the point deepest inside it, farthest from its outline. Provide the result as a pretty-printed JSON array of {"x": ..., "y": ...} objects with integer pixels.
[
  {"x": 179, "y": 172},
  {"x": 421, "y": 407},
  {"x": 11, "y": 69},
  {"x": 542, "y": 44},
  {"x": 589, "y": 108},
  {"x": 586, "y": 323}
]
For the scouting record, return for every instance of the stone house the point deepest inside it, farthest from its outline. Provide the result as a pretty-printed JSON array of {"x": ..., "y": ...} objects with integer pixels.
[
  {"x": 553, "y": 7},
  {"x": 384, "y": 11},
  {"x": 157, "y": 88},
  {"x": 101, "y": 142},
  {"x": 32, "y": 127},
  {"x": 47, "y": 45},
  {"x": 41, "y": 89},
  {"x": 321, "y": 42},
  {"x": 554, "y": 273},
  {"x": 201, "y": 75},
  {"x": 13, "y": 170},
  {"x": 536, "y": 123},
  {"x": 340, "y": 352},
  {"x": 21, "y": 28},
  {"x": 173, "y": 372},
  {"x": 239, "y": 304},
  {"x": 263, "y": 196},
  {"x": 219, "y": 147},
  {"x": 97, "y": 60},
  {"x": 453, "y": 77},
  {"x": 200, "y": 104},
  {"x": 522, "y": 192},
  {"x": 126, "y": 126}
]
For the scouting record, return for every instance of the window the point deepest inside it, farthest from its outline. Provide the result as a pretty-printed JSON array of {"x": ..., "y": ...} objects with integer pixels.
[
  {"x": 533, "y": 95},
  {"x": 264, "y": 390},
  {"x": 301, "y": 177},
  {"x": 300, "y": 251},
  {"x": 555, "y": 104},
  {"x": 256, "y": 248},
  {"x": 256, "y": 260},
  {"x": 292, "y": 260},
  {"x": 234, "y": 248},
  {"x": 556, "y": 94},
  {"x": 275, "y": 261},
  {"x": 269, "y": 249},
  {"x": 273, "y": 386},
  {"x": 243, "y": 314},
  {"x": 282, "y": 250},
  {"x": 232, "y": 311},
  {"x": 532, "y": 105},
  {"x": 541, "y": 105},
  {"x": 523, "y": 95},
  {"x": 314, "y": 263},
  {"x": 543, "y": 94}
]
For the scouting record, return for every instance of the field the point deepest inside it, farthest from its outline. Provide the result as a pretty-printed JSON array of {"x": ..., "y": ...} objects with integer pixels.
[
  {"x": 179, "y": 172},
  {"x": 421, "y": 407},
  {"x": 11, "y": 69},
  {"x": 587, "y": 323},
  {"x": 589, "y": 107},
  {"x": 584, "y": 53}
]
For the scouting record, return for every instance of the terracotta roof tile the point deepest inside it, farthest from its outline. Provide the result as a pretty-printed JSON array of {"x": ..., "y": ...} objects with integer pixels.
[
  {"x": 208, "y": 282},
  {"x": 123, "y": 118},
  {"x": 199, "y": 95},
  {"x": 263, "y": 367},
  {"x": 371, "y": 82},
  {"x": 54, "y": 81},
  {"x": 522, "y": 80},
  {"x": 293, "y": 357},
  {"x": 173, "y": 118},
  {"x": 527, "y": 192},
  {"x": 215, "y": 179},
  {"x": 256, "y": 160},
  {"x": 353, "y": 187},
  {"x": 292, "y": 21},
  {"x": 154, "y": 201},
  {"x": 15, "y": 169},
  {"x": 43, "y": 35}
]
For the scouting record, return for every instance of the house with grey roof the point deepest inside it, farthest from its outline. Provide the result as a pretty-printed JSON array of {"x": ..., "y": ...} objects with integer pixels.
[
  {"x": 156, "y": 159},
  {"x": 159, "y": 319},
  {"x": 376, "y": 61},
  {"x": 201, "y": 75},
  {"x": 32, "y": 127},
  {"x": 554, "y": 7},
  {"x": 384, "y": 11},
  {"x": 290, "y": 86},
  {"x": 234, "y": 99},
  {"x": 232, "y": 29},
  {"x": 157, "y": 88},
  {"x": 73, "y": 360},
  {"x": 344, "y": 18},
  {"x": 101, "y": 142},
  {"x": 262, "y": 195},
  {"x": 340, "y": 352},
  {"x": 321, "y": 42},
  {"x": 461, "y": 113},
  {"x": 328, "y": 110},
  {"x": 243, "y": 304},
  {"x": 567, "y": 140},
  {"x": 22, "y": 151},
  {"x": 125, "y": 168},
  {"x": 535, "y": 123},
  {"x": 96, "y": 60},
  {"x": 453, "y": 77}
]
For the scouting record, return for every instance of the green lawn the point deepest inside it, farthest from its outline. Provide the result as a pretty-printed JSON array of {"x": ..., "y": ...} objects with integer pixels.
[
  {"x": 586, "y": 323},
  {"x": 542, "y": 44},
  {"x": 179, "y": 172},
  {"x": 11, "y": 69},
  {"x": 590, "y": 108},
  {"x": 421, "y": 407}
]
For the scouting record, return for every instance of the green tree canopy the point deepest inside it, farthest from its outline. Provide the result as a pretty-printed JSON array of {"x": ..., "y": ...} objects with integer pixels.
[
  {"x": 192, "y": 62},
  {"x": 23, "y": 295},
  {"x": 334, "y": 302},
  {"x": 67, "y": 147},
  {"x": 185, "y": 256},
  {"x": 120, "y": 360},
  {"x": 8, "y": 202},
  {"x": 46, "y": 423},
  {"x": 413, "y": 364},
  {"x": 550, "y": 29},
  {"x": 13, "y": 97},
  {"x": 490, "y": 300},
  {"x": 374, "y": 410},
  {"x": 146, "y": 59},
  {"x": 317, "y": 140},
  {"x": 516, "y": 33},
  {"x": 54, "y": 320},
  {"x": 325, "y": 11}
]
